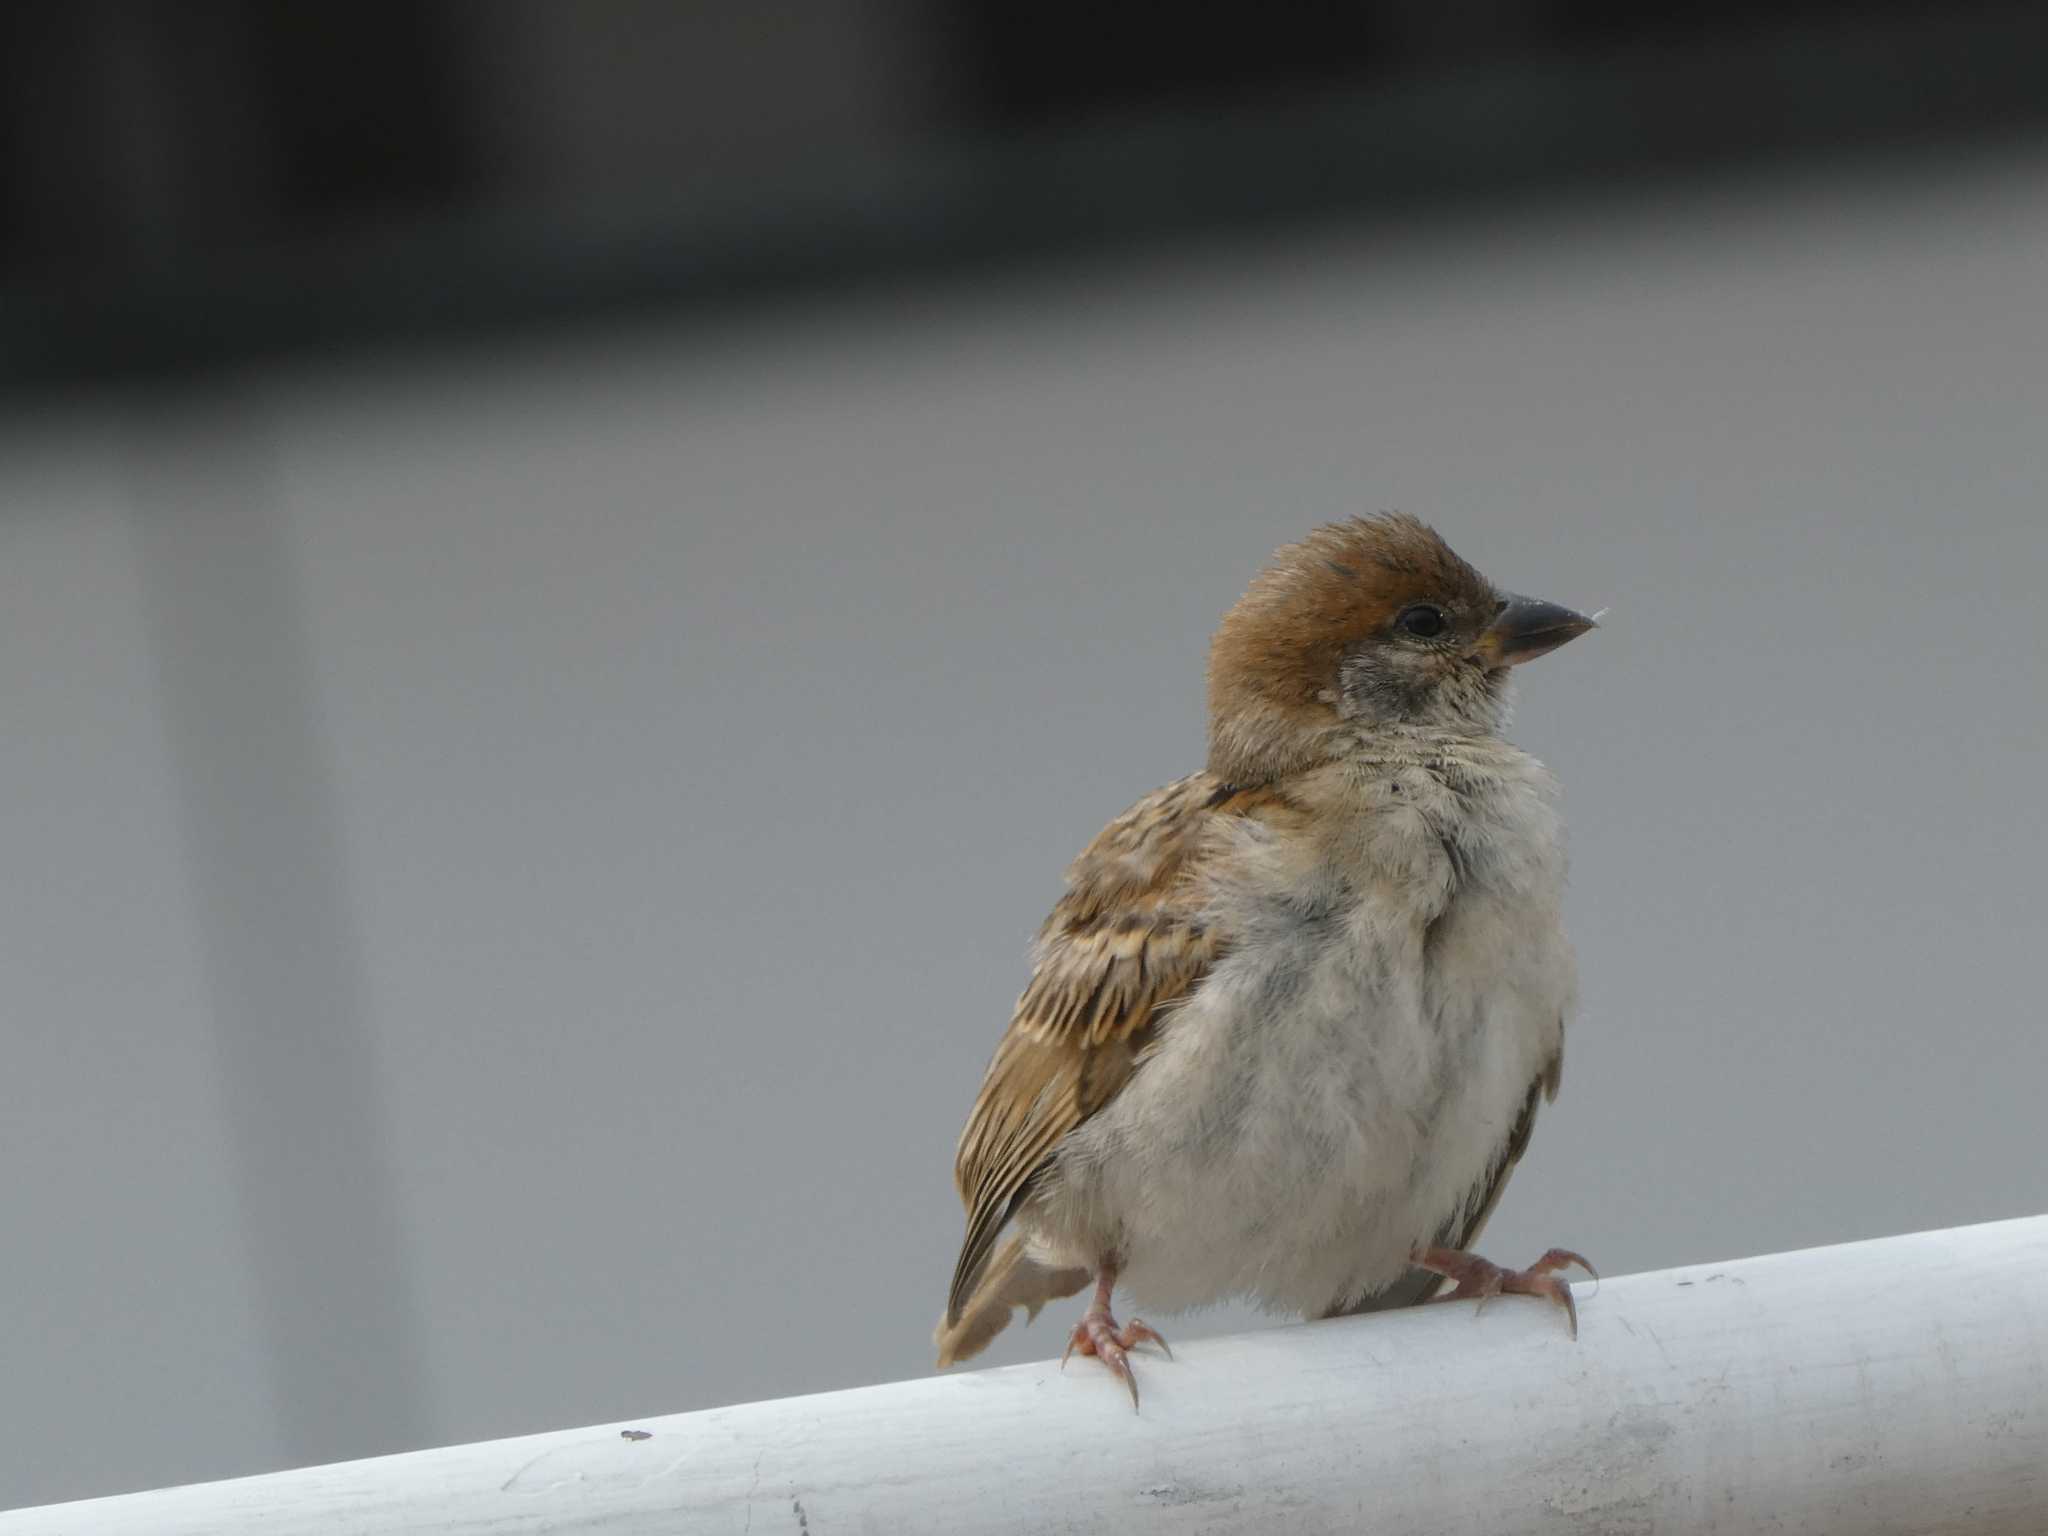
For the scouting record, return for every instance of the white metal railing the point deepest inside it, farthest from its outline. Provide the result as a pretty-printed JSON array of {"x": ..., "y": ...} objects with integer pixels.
[{"x": 1895, "y": 1386}]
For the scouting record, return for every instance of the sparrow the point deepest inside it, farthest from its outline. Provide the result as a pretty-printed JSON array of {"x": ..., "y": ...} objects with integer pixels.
[{"x": 1288, "y": 1028}]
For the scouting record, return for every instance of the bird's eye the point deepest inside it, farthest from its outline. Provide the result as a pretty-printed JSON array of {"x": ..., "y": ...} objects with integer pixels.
[{"x": 1422, "y": 620}]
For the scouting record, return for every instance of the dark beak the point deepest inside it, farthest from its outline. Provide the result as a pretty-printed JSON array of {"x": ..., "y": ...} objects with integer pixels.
[{"x": 1525, "y": 629}]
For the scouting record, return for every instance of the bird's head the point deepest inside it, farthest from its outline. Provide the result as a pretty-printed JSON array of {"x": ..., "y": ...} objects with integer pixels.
[{"x": 1374, "y": 621}]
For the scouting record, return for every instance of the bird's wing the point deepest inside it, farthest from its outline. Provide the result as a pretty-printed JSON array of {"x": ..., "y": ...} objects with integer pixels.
[
  {"x": 1462, "y": 1230},
  {"x": 1127, "y": 939}
]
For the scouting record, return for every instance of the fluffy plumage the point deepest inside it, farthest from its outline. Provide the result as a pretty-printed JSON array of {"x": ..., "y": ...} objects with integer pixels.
[{"x": 1292, "y": 1018}]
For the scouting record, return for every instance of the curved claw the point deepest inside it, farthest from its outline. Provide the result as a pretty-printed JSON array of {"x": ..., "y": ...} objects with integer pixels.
[
  {"x": 1120, "y": 1363},
  {"x": 1561, "y": 1258},
  {"x": 1097, "y": 1334},
  {"x": 1480, "y": 1279},
  {"x": 1137, "y": 1331}
]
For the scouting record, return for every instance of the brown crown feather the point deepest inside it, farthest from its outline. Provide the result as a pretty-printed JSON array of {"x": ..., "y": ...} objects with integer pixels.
[{"x": 1273, "y": 665}]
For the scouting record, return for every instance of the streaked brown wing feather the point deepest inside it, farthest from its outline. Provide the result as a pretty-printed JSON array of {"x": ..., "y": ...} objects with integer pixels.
[{"x": 1125, "y": 940}]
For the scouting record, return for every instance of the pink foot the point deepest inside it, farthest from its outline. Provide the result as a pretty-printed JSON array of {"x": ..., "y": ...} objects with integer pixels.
[
  {"x": 1097, "y": 1334},
  {"x": 1478, "y": 1277}
]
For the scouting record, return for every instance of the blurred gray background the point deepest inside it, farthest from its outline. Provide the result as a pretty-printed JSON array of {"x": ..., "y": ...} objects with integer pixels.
[{"x": 520, "y": 844}]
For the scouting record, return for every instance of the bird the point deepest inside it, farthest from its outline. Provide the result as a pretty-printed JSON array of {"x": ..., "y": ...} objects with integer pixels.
[{"x": 1288, "y": 1028}]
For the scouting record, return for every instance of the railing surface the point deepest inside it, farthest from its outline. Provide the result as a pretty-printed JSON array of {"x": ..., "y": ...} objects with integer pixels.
[{"x": 1894, "y": 1386}]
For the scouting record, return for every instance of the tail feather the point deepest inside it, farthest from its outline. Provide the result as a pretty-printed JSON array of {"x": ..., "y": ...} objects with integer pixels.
[{"x": 1012, "y": 1279}]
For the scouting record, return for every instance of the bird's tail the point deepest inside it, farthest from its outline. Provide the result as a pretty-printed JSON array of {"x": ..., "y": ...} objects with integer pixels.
[{"x": 1012, "y": 1279}]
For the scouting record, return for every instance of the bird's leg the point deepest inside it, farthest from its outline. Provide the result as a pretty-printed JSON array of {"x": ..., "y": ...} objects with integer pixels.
[
  {"x": 1097, "y": 1334},
  {"x": 1477, "y": 1277}
]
